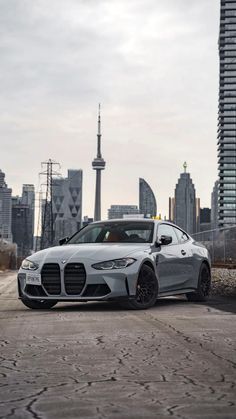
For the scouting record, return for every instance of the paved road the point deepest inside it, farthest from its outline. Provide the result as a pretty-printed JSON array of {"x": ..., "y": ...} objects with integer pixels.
[{"x": 95, "y": 360}]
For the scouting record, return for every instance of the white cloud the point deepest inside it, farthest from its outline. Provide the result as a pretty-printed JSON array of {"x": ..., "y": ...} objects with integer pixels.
[{"x": 154, "y": 67}]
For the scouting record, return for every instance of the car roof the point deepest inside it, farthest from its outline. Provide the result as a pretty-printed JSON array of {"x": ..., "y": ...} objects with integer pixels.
[
  {"x": 120, "y": 220},
  {"x": 115, "y": 220}
]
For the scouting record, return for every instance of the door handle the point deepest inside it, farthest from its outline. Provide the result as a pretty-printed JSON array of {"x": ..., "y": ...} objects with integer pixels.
[{"x": 183, "y": 252}]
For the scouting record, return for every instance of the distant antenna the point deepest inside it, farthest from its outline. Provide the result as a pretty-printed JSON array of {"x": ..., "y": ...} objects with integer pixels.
[
  {"x": 47, "y": 233},
  {"x": 185, "y": 166}
]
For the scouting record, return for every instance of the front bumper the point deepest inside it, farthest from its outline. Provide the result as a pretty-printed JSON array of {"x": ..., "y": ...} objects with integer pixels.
[{"x": 98, "y": 285}]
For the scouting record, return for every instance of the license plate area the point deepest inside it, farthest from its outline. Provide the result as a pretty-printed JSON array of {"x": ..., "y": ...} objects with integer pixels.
[{"x": 33, "y": 279}]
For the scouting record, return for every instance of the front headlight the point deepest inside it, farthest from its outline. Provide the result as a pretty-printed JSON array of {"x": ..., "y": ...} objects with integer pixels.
[
  {"x": 28, "y": 265},
  {"x": 114, "y": 264}
]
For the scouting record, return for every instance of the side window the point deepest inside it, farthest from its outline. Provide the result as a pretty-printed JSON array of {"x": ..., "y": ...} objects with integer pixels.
[
  {"x": 91, "y": 236},
  {"x": 182, "y": 237},
  {"x": 167, "y": 230}
]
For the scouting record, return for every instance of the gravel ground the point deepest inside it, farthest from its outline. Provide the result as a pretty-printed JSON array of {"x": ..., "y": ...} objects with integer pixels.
[{"x": 224, "y": 281}]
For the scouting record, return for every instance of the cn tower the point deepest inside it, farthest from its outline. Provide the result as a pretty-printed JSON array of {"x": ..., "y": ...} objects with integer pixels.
[{"x": 98, "y": 164}]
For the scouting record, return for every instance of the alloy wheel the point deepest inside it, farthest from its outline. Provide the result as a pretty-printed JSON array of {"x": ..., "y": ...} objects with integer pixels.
[{"x": 205, "y": 281}]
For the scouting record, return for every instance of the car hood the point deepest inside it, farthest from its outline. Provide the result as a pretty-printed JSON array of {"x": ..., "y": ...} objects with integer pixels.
[{"x": 94, "y": 251}]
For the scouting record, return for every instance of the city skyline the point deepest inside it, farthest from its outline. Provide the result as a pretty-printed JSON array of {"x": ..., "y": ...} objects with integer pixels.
[
  {"x": 151, "y": 85},
  {"x": 41, "y": 193}
]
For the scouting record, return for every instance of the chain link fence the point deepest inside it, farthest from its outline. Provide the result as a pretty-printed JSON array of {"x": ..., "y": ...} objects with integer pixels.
[{"x": 221, "y": 244}]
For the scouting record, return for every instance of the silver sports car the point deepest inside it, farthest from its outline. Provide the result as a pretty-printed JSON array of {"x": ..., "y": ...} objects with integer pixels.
[{"x": 132, "y": 260}]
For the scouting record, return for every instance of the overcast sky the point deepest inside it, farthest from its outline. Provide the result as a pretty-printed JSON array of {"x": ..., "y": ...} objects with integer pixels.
[{"x": 152, "y": 64}]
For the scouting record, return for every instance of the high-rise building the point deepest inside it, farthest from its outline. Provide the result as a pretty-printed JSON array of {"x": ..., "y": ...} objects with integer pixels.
[
  {"x": 205, "y": 215},
  {"x": 67, "y": 204},
  {"x": 147, "y": 200},
  {"x": 205, "y": 219},
  {"x": 185, "y": 214},
  {"x": 23, "y": 220},
  {"x": 5, "y": 209},
  {"x": 28, "y": 198},
  {"x": 22, "y": 227},
  {"x": 171, "y": 209},
  {"x": 227, "y": 114},
  {"x": 120, "y": 211},
  {"x": 215, "y": 206},
  {"x": 98, "y": 164},
  {"x": 198, "y": 214}
]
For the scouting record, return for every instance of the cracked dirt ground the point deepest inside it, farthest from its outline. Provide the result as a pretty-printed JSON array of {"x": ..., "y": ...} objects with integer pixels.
[{"x": 96, "y": 360}]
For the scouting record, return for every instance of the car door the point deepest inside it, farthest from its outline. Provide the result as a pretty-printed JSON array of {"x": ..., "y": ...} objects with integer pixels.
[
  {"x": 171, "y": 271},
  {"x": 187, "y": 258}
]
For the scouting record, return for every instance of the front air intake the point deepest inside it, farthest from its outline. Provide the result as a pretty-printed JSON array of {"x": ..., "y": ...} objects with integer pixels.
[
  {"x": 74, "y": 278},
  {"x": 51, "y": 278}
]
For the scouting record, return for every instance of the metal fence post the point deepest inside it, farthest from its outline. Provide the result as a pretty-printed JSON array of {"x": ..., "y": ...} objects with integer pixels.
[
  {"x": 213, "y": 252},
  {"x": 224, "y": 245}
]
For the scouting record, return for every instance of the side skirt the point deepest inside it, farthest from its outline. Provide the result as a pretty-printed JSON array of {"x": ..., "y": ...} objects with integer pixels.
[{"x": 176, "y": 292}]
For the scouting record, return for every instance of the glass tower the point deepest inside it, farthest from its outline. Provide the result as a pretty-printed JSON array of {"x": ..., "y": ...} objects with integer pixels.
[
  {"x": 227, "y": 114},
  {"x": 185, "y": 210},
  {"x": 147, "y": 200}
]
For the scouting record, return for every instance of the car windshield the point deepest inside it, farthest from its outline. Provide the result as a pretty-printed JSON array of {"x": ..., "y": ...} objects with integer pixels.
[{"x": 115, "y": 232}]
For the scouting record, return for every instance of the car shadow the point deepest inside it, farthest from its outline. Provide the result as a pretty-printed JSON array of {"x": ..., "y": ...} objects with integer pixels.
[
  {"x": 218, "y": 302},
  {"x": 226, "y": 304},
  {"x": 115, "y": 306},
  {"x": 223, "y": 303}
]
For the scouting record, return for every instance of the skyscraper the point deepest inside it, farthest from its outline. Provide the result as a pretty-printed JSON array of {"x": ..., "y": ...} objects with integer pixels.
[
  {"x": 185, "y": 203},
  {"x": 67, "y": 204},
  {"x": 215, "y": 205},
  {"x": 28, "y": 195},
  {"x": 23, "y": 220},
  {"x": 147, "y": 200},
  {"x": 227, "y": 114},
  {"x": 205, "y": 219},
  {"x": 28, "y": 198},
  {"x": 198, "y": 214},
  {"x": 119, "y": 211},
  {"x": 22, "y": 227},
  {"x": 5, "y": 209},
  {"x": 98, "y": 164},
  {"x": 171, "y": 209}
]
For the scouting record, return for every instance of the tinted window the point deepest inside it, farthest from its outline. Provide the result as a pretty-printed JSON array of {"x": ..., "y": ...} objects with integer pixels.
[
  {"x": 182, "y": 237},
  {"x": 167, "y": 230},
  {"x": 114, "y": 232}
]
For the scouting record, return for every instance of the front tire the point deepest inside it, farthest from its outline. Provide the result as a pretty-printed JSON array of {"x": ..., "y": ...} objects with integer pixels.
[
  {"x": 38, "y": 304},
  {"x": 204, "y": 285},
  {"x": 146, "y": 290}
]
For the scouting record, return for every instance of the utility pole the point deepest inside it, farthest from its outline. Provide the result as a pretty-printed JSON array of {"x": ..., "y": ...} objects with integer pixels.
[
  {"x": 47, "y": 233},
  {"x": 39, "y": 221}
]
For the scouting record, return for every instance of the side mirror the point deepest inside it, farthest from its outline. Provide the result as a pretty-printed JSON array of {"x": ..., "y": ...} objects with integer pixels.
[
  {"x": 165, "y": 240},
  {"x": 63, "y": 241}
]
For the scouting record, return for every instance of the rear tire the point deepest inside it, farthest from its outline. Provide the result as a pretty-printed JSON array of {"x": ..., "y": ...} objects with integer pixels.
[
  {"x": 204, "y": 285},
  {"x": 38, "y": 304},
  {"x": 146, "y": 290}
]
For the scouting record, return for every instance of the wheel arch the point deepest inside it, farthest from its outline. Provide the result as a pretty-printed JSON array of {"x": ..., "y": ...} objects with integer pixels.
[
  {"x": 151, "y": 265},
  {"x": 206, "y": 262},
  {"x": 148, "y": 263}
]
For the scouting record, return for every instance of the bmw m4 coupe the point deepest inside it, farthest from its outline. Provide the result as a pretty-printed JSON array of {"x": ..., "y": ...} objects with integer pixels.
[{"x": 130, "y": 260}]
